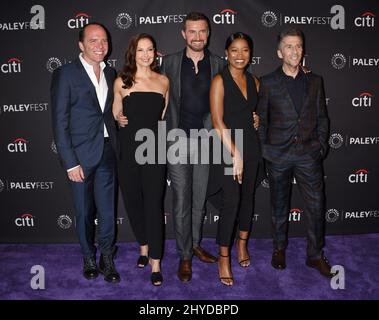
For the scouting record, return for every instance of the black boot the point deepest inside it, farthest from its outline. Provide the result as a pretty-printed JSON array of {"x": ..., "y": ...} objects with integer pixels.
[
  {"x": 108, "y": 269},
  {"x": 90, "y": 270}
]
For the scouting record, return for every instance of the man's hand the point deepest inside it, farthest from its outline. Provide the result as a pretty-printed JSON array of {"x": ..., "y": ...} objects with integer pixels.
[
  {"x": 255, "y": 121},
  {"x": 122, "y": 120},
  {"x": 76, "y": 175}
]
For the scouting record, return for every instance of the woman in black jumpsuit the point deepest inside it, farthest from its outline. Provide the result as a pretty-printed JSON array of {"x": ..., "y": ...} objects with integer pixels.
[
  {"x": 233, "y": 100},
  {"x": 140, "y": 99}
]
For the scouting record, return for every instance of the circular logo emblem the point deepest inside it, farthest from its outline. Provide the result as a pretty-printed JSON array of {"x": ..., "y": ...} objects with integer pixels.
[
  {"x": 335, "y": 141},
  {"x": 332, "y": 215},
  {"x": 265, "y": 183},
  {"x": 338, "y": 61},
  {"x": 52, "y": 64},
  {"x": 64, "y": 221},
  {"x": 124, "y": 20},
  {"x": 1, "y": 185},
  {"x": 269, "y": 19}
]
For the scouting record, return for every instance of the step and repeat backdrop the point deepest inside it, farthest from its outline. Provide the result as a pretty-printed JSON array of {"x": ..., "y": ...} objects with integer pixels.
[{"x": 38, "y": 36}]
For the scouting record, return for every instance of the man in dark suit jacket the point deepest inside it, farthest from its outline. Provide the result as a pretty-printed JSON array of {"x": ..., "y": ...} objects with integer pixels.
[
  {"x": 293, "y": 132},
  {"x": 85, "y": 135},
  {"x": 190, "y": 72}
]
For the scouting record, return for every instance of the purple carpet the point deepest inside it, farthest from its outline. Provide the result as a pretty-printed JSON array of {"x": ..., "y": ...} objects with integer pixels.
[{"x": 358, "y": 254}]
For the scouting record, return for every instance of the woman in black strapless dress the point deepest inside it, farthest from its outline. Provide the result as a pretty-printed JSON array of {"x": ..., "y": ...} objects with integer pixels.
[
  {"x": 233, "y": 99},
  {"x": 140, "y": 100}
]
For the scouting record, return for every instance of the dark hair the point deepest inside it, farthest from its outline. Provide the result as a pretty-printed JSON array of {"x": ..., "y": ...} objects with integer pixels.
[
  {"x": 83, "y": 29},
  {"x": 291, "y": 32},
  {"x": 130, "y": 68},
  {"x": 240, "y": 35},
  {"x": 196, "y": 16}
]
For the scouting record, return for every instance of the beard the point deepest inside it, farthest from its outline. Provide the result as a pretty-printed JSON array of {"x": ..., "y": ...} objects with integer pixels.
[{"x": 197, "y": 48}]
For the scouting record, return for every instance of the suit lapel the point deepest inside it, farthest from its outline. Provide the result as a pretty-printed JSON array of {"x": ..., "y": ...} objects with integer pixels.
[
  {"x": 109, "y": 79},
  {"x": 88, "y": 83}
]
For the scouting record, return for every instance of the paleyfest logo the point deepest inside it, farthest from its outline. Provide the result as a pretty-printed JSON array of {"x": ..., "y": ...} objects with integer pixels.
[{"x": 124, "y": 20}]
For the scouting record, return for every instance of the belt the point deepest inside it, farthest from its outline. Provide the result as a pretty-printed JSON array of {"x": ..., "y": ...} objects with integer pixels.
[{"x": 106, "y": 139}]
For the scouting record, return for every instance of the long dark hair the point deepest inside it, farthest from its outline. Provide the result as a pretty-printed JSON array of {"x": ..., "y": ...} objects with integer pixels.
[
  {"x": 244, "y": 36},
  {"x": 129, "y": 70}
]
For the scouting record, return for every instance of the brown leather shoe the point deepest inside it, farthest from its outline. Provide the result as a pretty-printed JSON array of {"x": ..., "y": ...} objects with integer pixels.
[
  {"x": 203, "y": 255},
  {"x": 322, "y": 265},
  {"x": 185, "y": 270},
  {"x": 279, "y": 259}
]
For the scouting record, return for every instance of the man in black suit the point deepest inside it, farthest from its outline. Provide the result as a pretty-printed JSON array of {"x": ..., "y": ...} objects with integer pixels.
[
  {"x": 86, "y": 139},
  {"x": 293, "y": 132},
  {"x": 190, "y": 72}
]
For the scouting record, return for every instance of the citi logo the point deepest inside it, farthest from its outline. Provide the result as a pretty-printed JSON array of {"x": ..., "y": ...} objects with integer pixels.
[
  {"x": 26, "y": 220},
  {"x": 295, "y": 215},
  {"x": 364, "y": 100},
  {"x": 80, "y": 20},
  {"x": 226, "y": 16},
  {"x": 18, "y": 145},
  {"x": 366, "y": 19},
  {"x": 359, "y": 176},
  {"x": 13, "y": 65}
]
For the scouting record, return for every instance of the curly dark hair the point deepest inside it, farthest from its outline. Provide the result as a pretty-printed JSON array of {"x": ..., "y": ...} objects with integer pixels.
[{"x": 129, "y": 69}]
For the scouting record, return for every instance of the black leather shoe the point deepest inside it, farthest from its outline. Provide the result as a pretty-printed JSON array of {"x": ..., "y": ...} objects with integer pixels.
[
  {"x": 90, "y": 270},
  {"x": 279, "y": 259},
  {"x": 108, "y": 269},
  {"x": 185, "y": 270},
  {"x": 203, "y": 255},
  {"x": 322, "y": 265}
]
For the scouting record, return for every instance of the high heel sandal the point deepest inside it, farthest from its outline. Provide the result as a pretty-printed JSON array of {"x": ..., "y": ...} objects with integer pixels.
[
  {"x": 242, "y": 262},
  {"x": 156, "y": 278},
  {"x": 223, "y": 279},
  {"x": 142, "y": 261}
]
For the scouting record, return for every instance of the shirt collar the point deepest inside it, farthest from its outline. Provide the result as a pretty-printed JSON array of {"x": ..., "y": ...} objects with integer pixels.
[
  {"x": 299, "y": 76},
  {"x": 87, "y": 66},
  {"x": 206, "y": 54}
]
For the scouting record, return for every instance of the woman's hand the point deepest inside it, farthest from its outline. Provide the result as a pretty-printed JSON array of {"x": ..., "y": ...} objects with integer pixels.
[{"x": 237, "y": 168}]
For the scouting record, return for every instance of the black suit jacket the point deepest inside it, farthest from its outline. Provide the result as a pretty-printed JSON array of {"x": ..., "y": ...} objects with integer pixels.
[
  {"x": 281, "y": 126},
  {"x": 171, "y": 67}
]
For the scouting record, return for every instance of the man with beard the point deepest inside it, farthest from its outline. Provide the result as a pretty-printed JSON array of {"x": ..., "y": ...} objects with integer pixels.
[{"x": 190, "y": 72}]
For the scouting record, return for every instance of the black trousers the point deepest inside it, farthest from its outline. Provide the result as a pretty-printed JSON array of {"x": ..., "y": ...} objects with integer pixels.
[
  {"x": 237, "y": 203},
  {"x": 142, "y": 188},
  {"x": 309, "y": 177}
]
